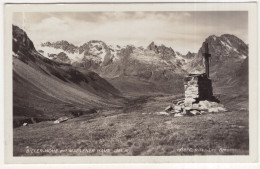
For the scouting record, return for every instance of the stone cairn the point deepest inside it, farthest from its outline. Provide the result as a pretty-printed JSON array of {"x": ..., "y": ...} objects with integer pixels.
[{"x": 199, "y": 97}]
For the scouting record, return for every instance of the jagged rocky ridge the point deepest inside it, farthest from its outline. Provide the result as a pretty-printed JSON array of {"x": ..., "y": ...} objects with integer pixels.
[
  {"x": 114, "y": 61},
  {"x": 155, "y": 62}
]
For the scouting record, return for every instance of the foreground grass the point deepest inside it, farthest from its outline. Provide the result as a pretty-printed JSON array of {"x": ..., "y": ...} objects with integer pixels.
[{"x": 138, "y": 130}]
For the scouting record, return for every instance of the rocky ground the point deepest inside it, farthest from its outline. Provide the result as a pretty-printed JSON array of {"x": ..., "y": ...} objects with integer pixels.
[{"x": 138, "y": 129}]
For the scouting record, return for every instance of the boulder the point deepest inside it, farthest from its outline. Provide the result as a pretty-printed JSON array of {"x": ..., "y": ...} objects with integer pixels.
[
  {"x": 56, "y": 122},
  {"x": 181, "y": 102},
  {"x": 213, "y": 110},
  {"x": 178, "y": 115},
  {"x": 177, "y": 111},
  {"x": 61, "y": 119},
  {"x": 189, "y": 101},
  {"x": 204, "y": 105},
  {"x": 195, "y": 106},
  {"x": 202, "y": 112},
  {"x": 187, "y": 108},
  {"x": 178, "y": 108},
  {"x": 169, "y": 108},
  {"x": 172, "y": 112},
  {"x": 25, "y": 124},
  {"x": 193, "y": 112},
  {"x": 221, "y": 109},
  {"x": 184, "y": 111}
]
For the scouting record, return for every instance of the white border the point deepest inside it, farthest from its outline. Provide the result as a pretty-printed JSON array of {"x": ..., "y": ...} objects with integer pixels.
[{"x": 252, "y": 62}]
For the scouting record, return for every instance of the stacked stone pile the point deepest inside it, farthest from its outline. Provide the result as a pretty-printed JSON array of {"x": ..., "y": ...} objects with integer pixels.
[
  {"x": 197, "y": 87},
  {"x": 202, "y": 107}
]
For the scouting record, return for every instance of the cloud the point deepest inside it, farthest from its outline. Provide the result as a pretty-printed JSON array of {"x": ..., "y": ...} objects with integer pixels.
[
  {"x": 52, "y": 24},
  {"x": 183, "y": 31}
]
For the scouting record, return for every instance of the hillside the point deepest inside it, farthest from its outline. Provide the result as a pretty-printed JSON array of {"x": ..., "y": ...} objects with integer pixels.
[
  {"x": 47, "y": 89},
  {"x": 115, "y": 99},
  {"x": 228, "y": 54},
  {"x": 156, "y": 68}
]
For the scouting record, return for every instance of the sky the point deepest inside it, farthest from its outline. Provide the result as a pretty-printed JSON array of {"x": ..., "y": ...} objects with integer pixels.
[{"x": 183, "y": 31}]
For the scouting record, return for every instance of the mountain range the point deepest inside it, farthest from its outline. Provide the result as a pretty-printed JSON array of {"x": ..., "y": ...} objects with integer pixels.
[{"x": 58, "y": 78}]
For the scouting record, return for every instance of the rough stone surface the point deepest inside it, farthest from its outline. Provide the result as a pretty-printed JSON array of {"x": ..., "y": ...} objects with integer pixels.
[
  {"x": 169, "y": 108},
  {"x": 178, "y": 115},
  {"x": 197, "y": 87},
  {"x": 56, "y": 122}
]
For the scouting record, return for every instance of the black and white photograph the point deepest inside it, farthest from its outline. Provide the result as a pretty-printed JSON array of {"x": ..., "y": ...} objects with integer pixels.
[{"x": 130, "y": 83}]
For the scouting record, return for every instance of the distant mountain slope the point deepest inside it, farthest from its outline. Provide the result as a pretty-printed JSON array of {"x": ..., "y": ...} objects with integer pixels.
[
  {"x": 229, "y": 60},
  {"x": 155, "y": 64},
  {"x": 98, "y": 56},
  {"x": 145, "y": 63},
  {"x": 44, "y": 88}
]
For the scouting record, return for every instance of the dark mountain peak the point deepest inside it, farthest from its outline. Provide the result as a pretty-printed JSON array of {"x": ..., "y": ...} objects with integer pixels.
[
  {"x": 21, "y": 42},
  {"x": 96, "y": 41},
  {"x": 46, "y": 44},
  {"x": 225, "y": 49},
  {"x": 127, "y": 50},
  {"x": 226, "y": 45},
  {"x": 97, "y": 44},
  {"x": 190, "y": 55},
  {"x": 153, "y": 47},
  {"x": 228, "y": 36},
  {"x": 161, "y": 49}
]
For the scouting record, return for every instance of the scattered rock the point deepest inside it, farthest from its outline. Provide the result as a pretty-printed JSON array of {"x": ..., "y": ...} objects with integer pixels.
[
  {"x": 162, "y": 113},
  {"x": 217, "y": 109},
  {"x": 202, "y": 112},
  {"x": 178, "y": 115},
  {"x": 178, "y": 108},
  {"x": 56, "y": 122},
  {"x": 193, "y": 112},
  {"x": 195, "y": 106},
  {"x": 204, "y": 105},
  {"x": 177, "y": 111},
  {"x": 213, "y": 110},
  {"x": 189, "y": 101},
  {"x": 187, "y": 108},
  {"x": 169, "y": 108},
  {"x": 60, "y": 120},
  {"x": 221, "y": 109},
  {"x": 181, "y": 102},
  {"x": 172, "y": 112}
]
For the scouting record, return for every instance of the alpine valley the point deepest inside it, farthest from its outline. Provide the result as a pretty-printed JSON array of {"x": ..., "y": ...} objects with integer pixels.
[{"x": 110, "y": 95}]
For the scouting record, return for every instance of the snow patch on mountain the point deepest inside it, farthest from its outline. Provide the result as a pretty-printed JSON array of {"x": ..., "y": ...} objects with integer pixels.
[{"x": 48, "y": 51}]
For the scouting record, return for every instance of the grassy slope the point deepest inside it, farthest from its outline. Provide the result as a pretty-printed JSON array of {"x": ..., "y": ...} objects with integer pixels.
[
  {"x": 135, "y": 86},
  {"x": 138, "y": 130},
  {"x": 39, "y": 93}
]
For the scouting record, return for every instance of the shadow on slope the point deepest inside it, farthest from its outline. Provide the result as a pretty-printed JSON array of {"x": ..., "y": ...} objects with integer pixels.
[{"x": 46, "y": 89}]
